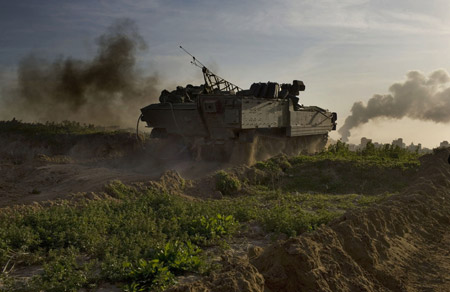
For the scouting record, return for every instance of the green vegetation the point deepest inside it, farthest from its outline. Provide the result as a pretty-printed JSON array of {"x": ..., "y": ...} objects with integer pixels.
[
  {"x": 54, "y": 141},
  {"x": 226, "y": 183},
  {"x": 390, "y": 156},
  {"x": 142, "y": 238},
  {"x": 49, "y": 128},
  {"x": 338, "y": 170},
  {"x": 135, "y": 235}
]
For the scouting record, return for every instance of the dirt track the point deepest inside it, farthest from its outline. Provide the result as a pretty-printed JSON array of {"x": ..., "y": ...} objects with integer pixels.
[{"x": 36, "y": 170}]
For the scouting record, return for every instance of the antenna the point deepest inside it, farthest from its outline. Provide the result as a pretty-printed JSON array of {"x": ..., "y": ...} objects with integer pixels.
[
  {"x": 213, "y": 81},
  {"x": 194, "y": 61}
]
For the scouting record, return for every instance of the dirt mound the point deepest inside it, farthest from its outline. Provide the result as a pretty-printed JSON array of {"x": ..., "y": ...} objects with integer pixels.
[
  {"x": 237, "y": 275},
  {"x": 400, "y": 245}
]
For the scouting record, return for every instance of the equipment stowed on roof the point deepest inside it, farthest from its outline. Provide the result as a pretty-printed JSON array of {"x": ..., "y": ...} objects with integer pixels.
[{"x": 220, "y": 121}]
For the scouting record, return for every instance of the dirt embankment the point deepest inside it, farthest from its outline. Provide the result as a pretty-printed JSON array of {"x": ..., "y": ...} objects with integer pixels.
[{"x": 399, "y": 245}]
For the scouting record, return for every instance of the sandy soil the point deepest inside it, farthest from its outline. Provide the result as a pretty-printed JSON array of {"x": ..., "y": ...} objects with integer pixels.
[
  {"x": 399, "y": 245},
  {"x": 36, "y": 183},
  {"x": 32, "y": 171}
]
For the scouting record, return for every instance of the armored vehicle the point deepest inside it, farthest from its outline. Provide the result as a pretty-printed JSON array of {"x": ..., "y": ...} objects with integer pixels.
[{"x": 220, "y": 121}]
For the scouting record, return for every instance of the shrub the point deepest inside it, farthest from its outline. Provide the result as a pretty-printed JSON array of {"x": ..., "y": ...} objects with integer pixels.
[
  {"x": 226, "y": 183},
  {"x": 339, "y": 149},
  {"x": 269, "y": 166},
  {"x": 294, "y": 220},
  {"x": 180, "y": 256},
  {"x": 49, "y": 128},
  {"x": 62, "y": 273},
  {"x": 147, "y": 276},
  {"x": 205, "y": 228}
]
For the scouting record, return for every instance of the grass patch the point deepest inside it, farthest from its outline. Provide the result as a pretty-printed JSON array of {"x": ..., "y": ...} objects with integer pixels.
[
  {"x": 117, "y": 237},
  {"x": 144, "y": 239},
  {"x": 51, "y": 142},
  {"x": 50, "y": 128},
  {"x": 387, "y": 156},
  {"x": 227, "y": 183},
  {"x": 338, "y": 170}
]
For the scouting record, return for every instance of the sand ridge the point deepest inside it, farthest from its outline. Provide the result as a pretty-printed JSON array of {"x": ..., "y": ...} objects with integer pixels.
[{"x": 399, "y": 245}]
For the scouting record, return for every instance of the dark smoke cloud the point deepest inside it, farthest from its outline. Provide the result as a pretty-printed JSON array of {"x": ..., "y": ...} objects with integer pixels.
[
  {"x": 106, "y": 90},
  {"x": 419, "y": 97}
]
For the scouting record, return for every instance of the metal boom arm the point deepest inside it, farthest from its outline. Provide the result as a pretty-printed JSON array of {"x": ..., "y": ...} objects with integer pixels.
[{"x": 213, "y": 81}]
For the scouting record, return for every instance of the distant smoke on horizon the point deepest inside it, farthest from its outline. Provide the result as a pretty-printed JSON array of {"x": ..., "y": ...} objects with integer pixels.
[
  {"x": 420, "y": 97},
  {"x": 107, "y": 90}
]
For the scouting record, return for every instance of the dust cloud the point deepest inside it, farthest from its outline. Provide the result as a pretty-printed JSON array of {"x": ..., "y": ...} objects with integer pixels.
[
  {"x": 106, "y": 90},
  {"x": 420, "y": 97}
]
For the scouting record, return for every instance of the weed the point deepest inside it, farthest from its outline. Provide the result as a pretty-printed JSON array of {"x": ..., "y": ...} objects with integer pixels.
[
  {"x": 180, "y": 256},
  {"x": 49, "y": 128},
  {"x": 205, "y": 228},
  {"x": 146, "y": 275},
  {"x": 135, "y": 226},
  {"x": 227, "y": 183},
  {"x": 62, "y": 272}
]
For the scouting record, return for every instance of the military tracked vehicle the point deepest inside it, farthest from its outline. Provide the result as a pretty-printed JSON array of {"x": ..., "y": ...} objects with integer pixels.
[{"x": 220, "y": 121}]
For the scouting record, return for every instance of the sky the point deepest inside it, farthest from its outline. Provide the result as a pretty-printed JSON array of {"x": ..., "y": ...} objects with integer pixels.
[{"x": 345, "y": 51}]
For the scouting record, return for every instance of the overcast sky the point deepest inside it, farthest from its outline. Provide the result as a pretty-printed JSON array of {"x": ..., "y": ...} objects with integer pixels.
[{"x": 345, "y": 51}]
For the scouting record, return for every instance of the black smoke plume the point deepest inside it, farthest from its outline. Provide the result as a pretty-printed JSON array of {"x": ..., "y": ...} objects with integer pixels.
[
  {"x": 107, "y": 89},
  {"x": 419, "y": 97}
]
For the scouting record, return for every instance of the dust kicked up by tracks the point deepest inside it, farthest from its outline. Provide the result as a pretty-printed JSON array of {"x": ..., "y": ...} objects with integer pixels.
[{"x": 38, "y": 168}]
